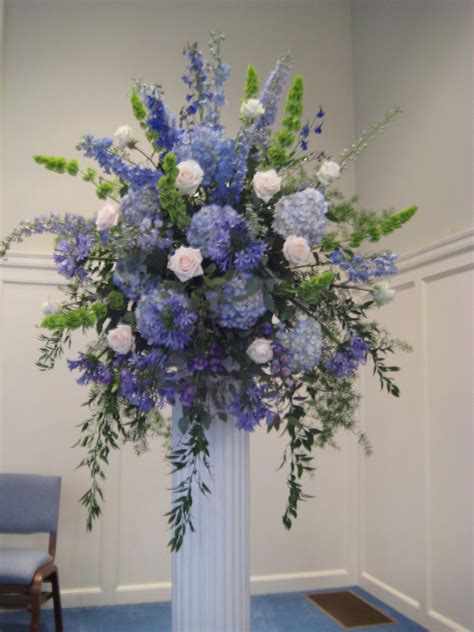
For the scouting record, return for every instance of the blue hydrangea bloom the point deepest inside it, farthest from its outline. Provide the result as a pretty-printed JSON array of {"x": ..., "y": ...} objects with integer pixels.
[
  {"x": 302, "y": 214},
  {"x": 164, "y": 318},
  {"x": 139, "y": 204},
  {"x": 232, "y": 308},
  {"x": 215, "y": 153},
  {"x": 132, "y": 278},
  {"x": 222, "y": 235},
  {"x": 303, "y": 343},
  {"x": 345, "y": 362}
]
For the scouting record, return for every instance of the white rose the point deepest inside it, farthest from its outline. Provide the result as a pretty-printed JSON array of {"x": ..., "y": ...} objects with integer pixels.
[
  {"x": 123, "y": 136},
  {"x": 382, "y": 293},
  {"x": 266, "y": 184},
  {"x": 121, "y": 339},
  {"x": 251, "y": 108},
  {"x": 328, "y": 171},
  {"x": 189, "y": 177},
  {"x": 297, "y": 251},
  {"x": 50, "y": 306},
  {"x": 107, "y": 217},
  {"x": 186, "y": 263},
  {"x": 260, "y": 351}
]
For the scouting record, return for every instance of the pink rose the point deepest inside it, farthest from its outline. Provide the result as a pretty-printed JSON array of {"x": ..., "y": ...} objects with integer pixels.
[
  {"x": 266, "y": 184},
  {"x": 186, "y": 263},
  {"x": 297, "y": 251},
  {"x": 121, "y": 339},
  {"x": 189, "y": 177},
  {"x": 107, "y": 217}
]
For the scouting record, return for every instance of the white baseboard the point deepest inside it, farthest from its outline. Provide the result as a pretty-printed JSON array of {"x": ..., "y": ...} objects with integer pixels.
[{"x": 161, "y": 591}]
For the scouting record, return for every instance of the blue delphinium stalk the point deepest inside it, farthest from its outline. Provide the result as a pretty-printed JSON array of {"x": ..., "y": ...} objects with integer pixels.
[
  {"x": 303, "y": 343},
  {"x": 233, "y": 307},
  {"x": 218, "y": 73},
  {"x": 100, "y": 149},
  {"x": 67, "y": 225},
  {"x": 70, "y": 255},
  {"x": 302, "y": 214},
  {"x": 161, "y": 123},
  {"x": 164, "y": 318},
  {"x": 345, "y": 362},
  {"x": 361, "y": 269},
  {"x": 270, "y": 99},
  {"x": 196, "y": 82}
]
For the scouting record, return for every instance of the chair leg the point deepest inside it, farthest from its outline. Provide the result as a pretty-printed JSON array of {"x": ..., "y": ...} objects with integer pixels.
[
  {"x": 35, "y": 610},
  {"x": 58, "y": 617}
]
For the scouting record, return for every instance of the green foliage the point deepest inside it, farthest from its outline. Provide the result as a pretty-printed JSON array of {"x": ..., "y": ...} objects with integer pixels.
[
  {"x": 58, "y": 164},
  {"x": 191, "y": 455},
  {"x": 104, "y": 189},
  {"x": 73, "y": 319},
  {"x": 311, "y": 290},
  {"x": 115, "y": 300},
  {"x": 251, "y": 83},
  {"x": 99, "y": 309},
  {"x": 171, "y": 200},
  {"x": 101, "y": 433},
  {"x": 90, "y": 175},
  {"x": 367, "y": 135},
  {"x": 360, "y": 225},
  {"x": 52, "y": 348},
  {"x": 278, "y": 154},
  {"x": 139, "y": 110}
]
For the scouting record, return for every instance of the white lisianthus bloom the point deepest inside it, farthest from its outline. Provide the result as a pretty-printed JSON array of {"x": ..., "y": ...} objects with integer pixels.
[
  {"x": 328, "y": 172},
  {"x": 297, "y": 251},
  {"x": 50, "y": 306},
  {"x": 123, "y": 136},
  {"x": 186, "y": 263},
  {"x": 189, "y": 177},
  {"x": 251, "y": 108},
  {"x": 260, "y": 351},
  {"x": 382, "y": 293},
  {"x": 107, "y": 217},
  {"x": 121, "y": 339},
  {"x": 266, "y": 184}
]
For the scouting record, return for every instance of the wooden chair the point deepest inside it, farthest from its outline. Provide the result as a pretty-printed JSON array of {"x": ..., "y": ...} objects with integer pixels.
[{"x": 29, "y": 504}]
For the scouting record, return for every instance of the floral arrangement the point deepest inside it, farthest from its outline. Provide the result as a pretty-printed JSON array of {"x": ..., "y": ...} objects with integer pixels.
[{"x": 217, "y": 260}]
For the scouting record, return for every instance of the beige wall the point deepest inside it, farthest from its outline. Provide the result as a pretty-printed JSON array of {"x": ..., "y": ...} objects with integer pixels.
[
  {"x": 69, "y": 69},
  {"x": 417, "y": 54}
]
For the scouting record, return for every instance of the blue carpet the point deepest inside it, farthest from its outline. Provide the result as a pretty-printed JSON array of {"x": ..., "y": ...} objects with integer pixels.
[{"x": 286, "y": 612}]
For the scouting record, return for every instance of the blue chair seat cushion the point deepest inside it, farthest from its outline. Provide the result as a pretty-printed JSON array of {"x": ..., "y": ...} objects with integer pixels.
[{"x": 18, "y": 566}]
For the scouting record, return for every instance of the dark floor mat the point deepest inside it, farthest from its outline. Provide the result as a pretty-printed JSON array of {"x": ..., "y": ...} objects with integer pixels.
[{"x": 348, "y": 609}]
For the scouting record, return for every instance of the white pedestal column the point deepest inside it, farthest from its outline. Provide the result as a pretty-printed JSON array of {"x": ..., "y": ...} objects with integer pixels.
[{"x": 211, "y": 571}]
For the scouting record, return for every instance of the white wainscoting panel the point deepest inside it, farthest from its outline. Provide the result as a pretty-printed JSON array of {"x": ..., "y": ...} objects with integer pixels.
[{"x": 416, "y": 496}]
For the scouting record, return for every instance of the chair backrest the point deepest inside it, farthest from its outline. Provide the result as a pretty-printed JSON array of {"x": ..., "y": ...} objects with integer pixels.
[{"x": 29, "y": 503}]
